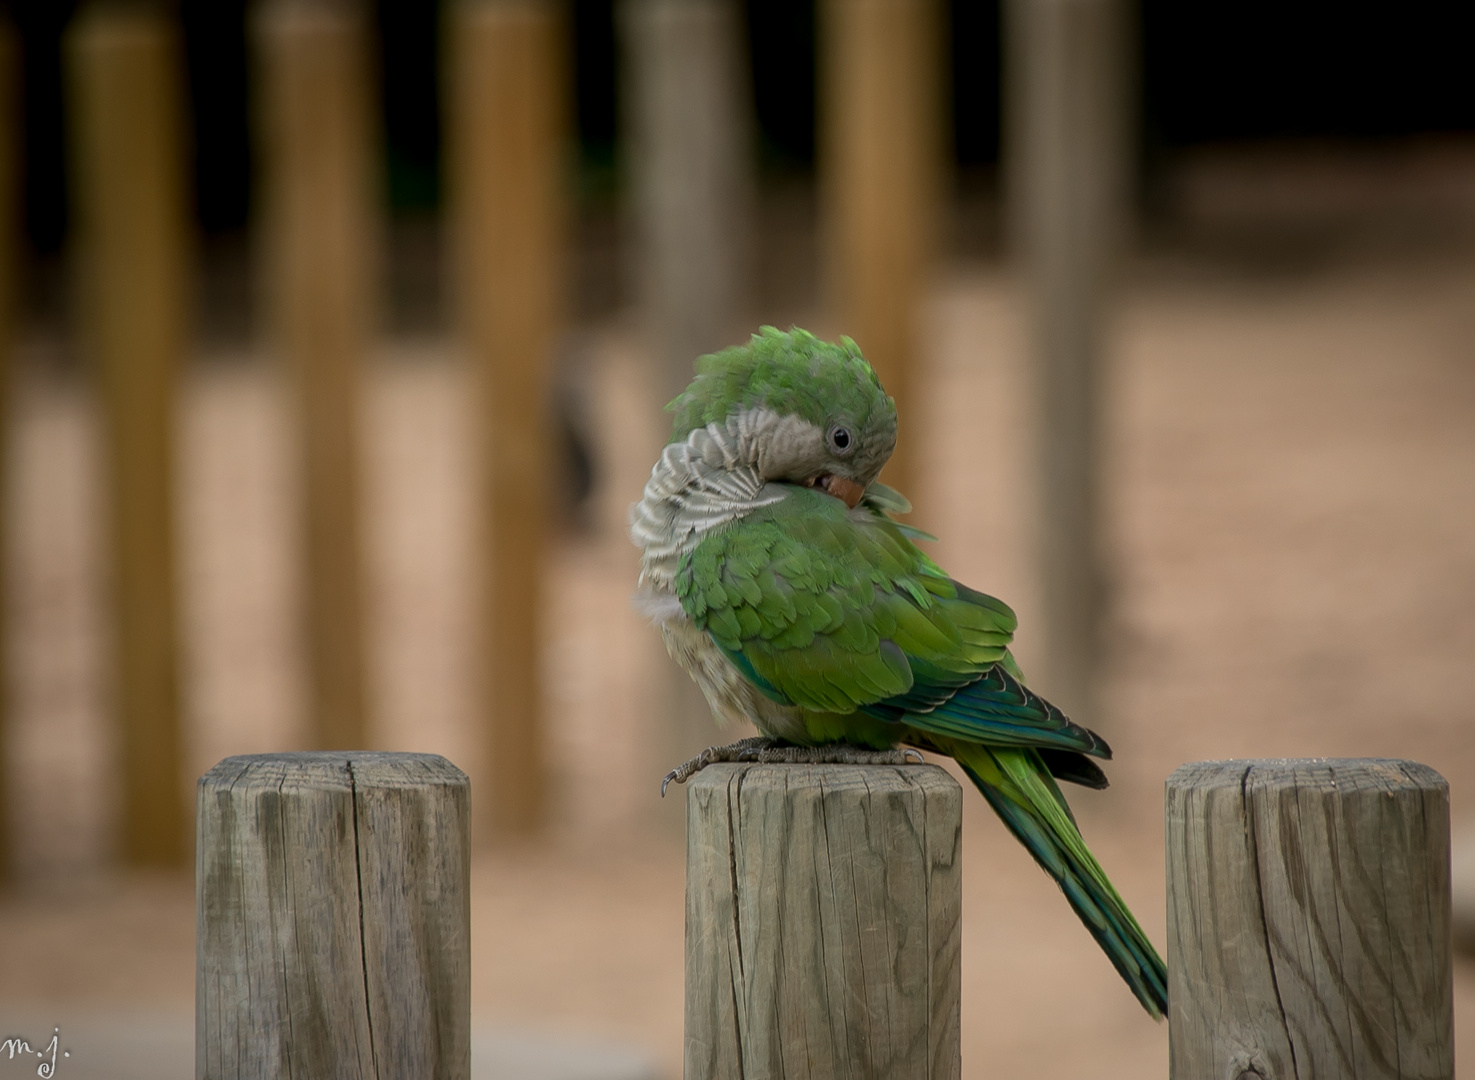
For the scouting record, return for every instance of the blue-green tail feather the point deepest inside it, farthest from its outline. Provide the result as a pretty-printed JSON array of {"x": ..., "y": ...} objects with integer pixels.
[{"x": 1056, "y": 845}]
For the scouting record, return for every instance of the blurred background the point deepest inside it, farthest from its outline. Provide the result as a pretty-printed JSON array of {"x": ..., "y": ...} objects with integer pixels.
[{"x": 335, "y": 339}]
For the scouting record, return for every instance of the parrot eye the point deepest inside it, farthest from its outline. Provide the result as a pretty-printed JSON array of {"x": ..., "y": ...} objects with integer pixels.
[{"x": 840, "y": 440}]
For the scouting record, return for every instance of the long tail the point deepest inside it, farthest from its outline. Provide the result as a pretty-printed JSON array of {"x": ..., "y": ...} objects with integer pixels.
[{"x": 1020, "y": 789}]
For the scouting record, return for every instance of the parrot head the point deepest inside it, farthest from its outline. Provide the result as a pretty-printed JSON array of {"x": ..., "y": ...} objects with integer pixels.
[{"x": 821, "y": 416}]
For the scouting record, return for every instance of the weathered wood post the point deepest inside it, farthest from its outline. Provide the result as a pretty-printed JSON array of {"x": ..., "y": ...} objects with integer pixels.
[
  {"x": 333, "y": 918},
  {"x": 313, "y": 59},
  {"x": 506, "y": 141},
  {"x": 1308, "y": 920},
  {"x": 823, "y": 909},
  {"x": 1067, "y": 158},
  {"x": 124, "y": 75},
  {"x": 881, "y": 80}
]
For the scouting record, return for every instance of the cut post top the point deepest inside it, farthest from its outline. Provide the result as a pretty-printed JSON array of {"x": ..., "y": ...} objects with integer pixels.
[
  {"x": 335, "y": 770},
  {"x": 875, "y": 779},
  {"x": 1329, "y": 773}
]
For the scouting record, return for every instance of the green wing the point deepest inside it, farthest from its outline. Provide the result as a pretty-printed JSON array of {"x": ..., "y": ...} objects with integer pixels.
[{"x": 840, "y": 612}]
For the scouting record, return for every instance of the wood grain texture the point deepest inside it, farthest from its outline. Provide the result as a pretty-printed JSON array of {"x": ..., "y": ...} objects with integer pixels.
[
  {"x": 333, "y": 918},
  {"x": 1308, "y": 920},
  {"x": 318, "y": 166},
  {"x": 823, "y": 910},
  {"x": 124, "y": 74},
  {"x": 1067, "y": 156},
  {"x": 506, "y": 141},
  {"x": 881, "y": 87}
]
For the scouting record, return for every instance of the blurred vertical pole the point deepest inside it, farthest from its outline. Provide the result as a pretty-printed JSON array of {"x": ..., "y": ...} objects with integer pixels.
[
  {"x": 313, "y": 61},
  {"x": 1067, "y": 152},
  {"x": 881, "y": 80},
  {"x": 124, "y": 73},
  {"x": 690, "y": 159},
  {"x": 506, "y": 96},
  {"x": 10, "y": 142},
  {"x": 688, "y": 109}
]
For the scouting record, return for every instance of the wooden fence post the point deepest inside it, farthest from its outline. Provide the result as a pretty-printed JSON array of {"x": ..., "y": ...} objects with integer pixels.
[
  {"x": 823, "y": 909},
  {"x": 1308, "y": 920},
  {"x": 1067, "y": 156},
  {"x": 881, "y": 80},
  {"x": 333, "y": 918},
  {"x": 507, "y": 176},
  {"x": 124, "y": 74},
  {"x": 319, "y": 170}
]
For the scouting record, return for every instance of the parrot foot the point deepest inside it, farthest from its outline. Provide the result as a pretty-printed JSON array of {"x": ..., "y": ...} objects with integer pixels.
[{"x": 761, "y": 750}]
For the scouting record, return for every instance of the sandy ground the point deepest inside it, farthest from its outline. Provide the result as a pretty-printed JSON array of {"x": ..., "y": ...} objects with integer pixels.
[{"x": 1292, "y": 496}]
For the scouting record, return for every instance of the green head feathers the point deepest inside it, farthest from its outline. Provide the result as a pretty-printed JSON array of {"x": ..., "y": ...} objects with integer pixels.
[{"x": 793, "y": 374}]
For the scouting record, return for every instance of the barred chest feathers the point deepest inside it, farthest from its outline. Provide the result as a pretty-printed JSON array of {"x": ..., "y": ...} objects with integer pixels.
[{"x": 715, "y": 476}]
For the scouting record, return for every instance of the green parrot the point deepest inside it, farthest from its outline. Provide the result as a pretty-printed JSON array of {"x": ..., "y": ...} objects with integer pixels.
[{"x": 782, "y": 584}]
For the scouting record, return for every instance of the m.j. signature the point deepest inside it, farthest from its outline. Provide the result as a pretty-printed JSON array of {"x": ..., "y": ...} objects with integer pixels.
[{"x": 47, "y": 1069}]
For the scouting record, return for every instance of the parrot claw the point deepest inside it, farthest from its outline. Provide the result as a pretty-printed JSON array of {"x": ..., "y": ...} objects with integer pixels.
[
  {"x": 760, "y": 750},
  {"x": 712, "y": 754}
]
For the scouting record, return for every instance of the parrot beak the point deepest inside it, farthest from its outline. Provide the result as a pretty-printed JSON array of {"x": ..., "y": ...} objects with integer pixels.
[{"x": 847, "y": 491}]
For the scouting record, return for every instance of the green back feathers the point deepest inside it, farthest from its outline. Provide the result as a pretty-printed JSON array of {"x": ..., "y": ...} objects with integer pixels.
[
  {"x": 793, "y": 373},
  {"x": 832, "y": 613}
]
